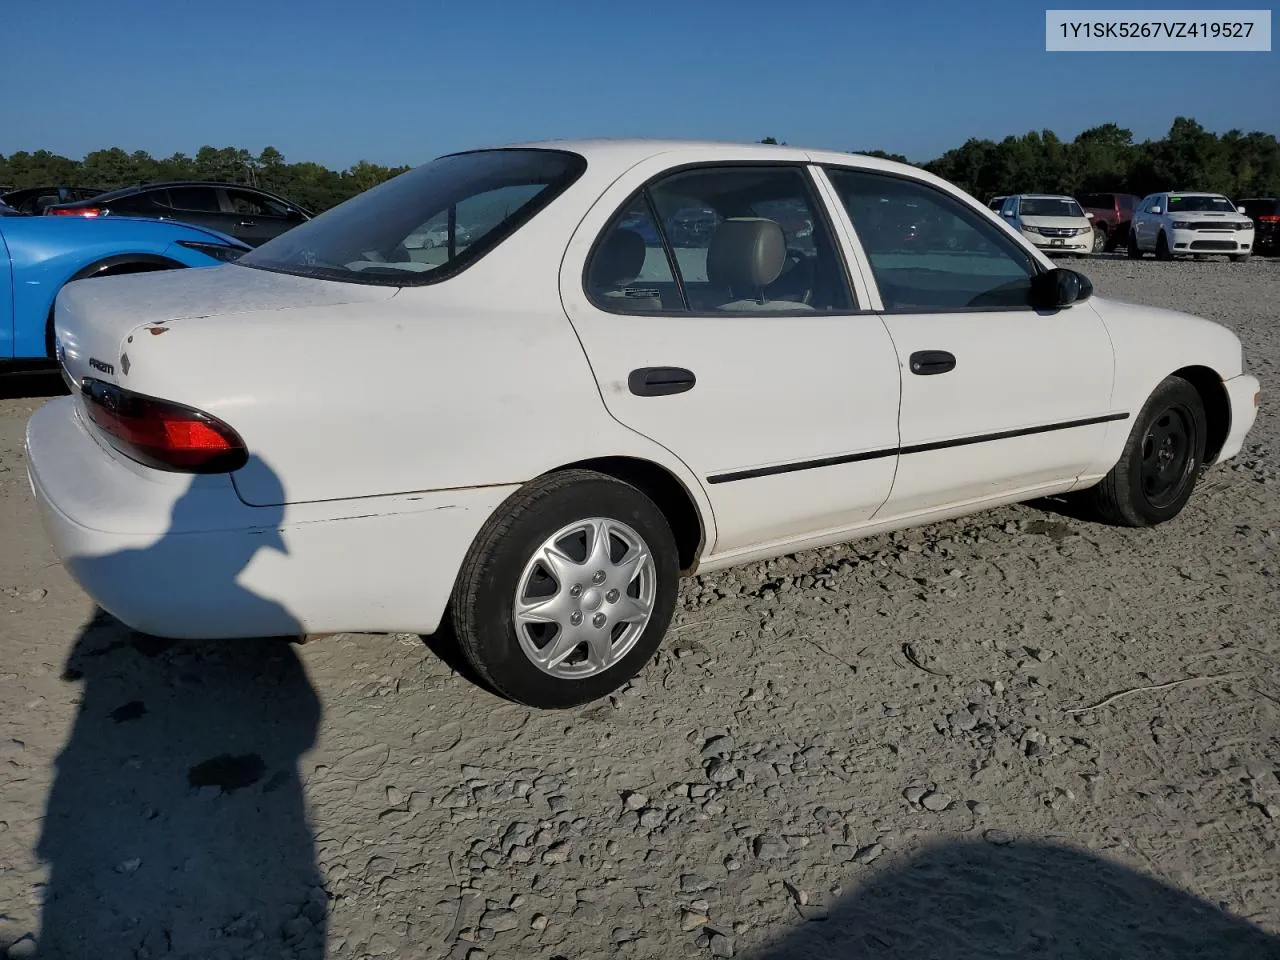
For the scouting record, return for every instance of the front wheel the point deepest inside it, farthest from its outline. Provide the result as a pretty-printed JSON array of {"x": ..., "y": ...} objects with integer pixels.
[
  {"x": 567, "y": 590},
  {"x": 1099, "y": 241},
  {"x": 1161, "y": 461}
]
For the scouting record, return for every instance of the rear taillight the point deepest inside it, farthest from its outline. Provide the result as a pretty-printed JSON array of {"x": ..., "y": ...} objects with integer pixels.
[
  {"x": 161, "y": 434},
  {"x": 1268, "y": 219},
  {"x": 76, "y": 212}
]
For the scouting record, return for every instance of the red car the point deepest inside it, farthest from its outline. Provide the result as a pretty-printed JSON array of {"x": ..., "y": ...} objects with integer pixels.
[
  {"x": 1265, "y": 214},
  {"x": 1111, "y": 215}
]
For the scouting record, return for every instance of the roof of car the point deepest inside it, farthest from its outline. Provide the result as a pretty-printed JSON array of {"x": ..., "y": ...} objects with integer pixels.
[
  {"x": 642, "y": 148},
  {"x": 1044, "y": 196}
]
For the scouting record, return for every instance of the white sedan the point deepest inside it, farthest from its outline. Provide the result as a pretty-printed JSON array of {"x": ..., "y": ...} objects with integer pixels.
[{"x": 531, "y": 431}]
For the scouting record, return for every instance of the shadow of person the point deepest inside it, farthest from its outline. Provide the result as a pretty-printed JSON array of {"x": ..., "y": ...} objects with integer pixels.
[
  {"x": 978, "y": 901},
  {"x": 176, "y": 824}
]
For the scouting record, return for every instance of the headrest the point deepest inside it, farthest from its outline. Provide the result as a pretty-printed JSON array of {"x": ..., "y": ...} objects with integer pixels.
[
  {"x": 746, "y": 253},
  {"x": 619, "y": 260}
]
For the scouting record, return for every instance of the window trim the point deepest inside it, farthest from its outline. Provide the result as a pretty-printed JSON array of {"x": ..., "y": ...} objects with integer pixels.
[
  {"x": 1003, "y": 237},
  {"x": 818, "y": 202},
  {"x": 475, "y": 252}
]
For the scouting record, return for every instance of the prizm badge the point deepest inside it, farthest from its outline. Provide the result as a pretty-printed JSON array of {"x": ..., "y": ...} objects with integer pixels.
[{"x": 100, "y": 366}]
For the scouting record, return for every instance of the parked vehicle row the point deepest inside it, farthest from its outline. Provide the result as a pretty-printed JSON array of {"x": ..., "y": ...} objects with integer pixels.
[
  {"x": 540, "y": 427},
  {"x": 1237, "y": 231},
  {"x": 1054, "y": 224}
]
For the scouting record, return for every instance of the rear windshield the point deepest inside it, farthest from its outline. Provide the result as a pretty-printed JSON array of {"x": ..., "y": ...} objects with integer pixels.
[
  {"x": 424, "y": 225},
  {"x": 1200, "y": 205},
  {"x": 1049, "y": 207},
  {"x": 1265, "y": 207}
]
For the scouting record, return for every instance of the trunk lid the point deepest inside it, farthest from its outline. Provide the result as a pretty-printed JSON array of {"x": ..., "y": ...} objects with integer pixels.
[{"x": 94, "y": 318}]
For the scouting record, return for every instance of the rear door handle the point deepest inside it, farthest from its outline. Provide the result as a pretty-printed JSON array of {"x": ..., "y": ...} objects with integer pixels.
[
  {"x": 928, "y": 362},
  {"x": 660, "y": 381}
]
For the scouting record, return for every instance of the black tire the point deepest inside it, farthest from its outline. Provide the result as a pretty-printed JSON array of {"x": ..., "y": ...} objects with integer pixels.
[
  {"x": 1129, "y": 495},
  {"x": 1162, "y": 247},
  {"x": 1239, "y": 257},
  {"x": 1099, "y": 240},
  {"x": 1132, "y": 247},
  {"x": 481, "y": 608}
]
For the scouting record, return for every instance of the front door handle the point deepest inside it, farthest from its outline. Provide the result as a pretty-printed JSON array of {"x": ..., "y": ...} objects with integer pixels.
[
  {"x": 928, "y": 362},
  {"x": 660, "y": 381},
  {"x": 248, "y": 223}
]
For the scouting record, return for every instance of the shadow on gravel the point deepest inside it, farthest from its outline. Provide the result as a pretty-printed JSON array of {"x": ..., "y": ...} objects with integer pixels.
[
  {"x": 981, "y": 901},
  {"x": 176, "y": 825}
]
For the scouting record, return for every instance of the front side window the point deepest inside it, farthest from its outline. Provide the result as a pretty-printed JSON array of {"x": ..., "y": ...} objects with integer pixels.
[
  {"x": 721, "y": 239},
  {"x": 424, "y": 225},
  {"x": 928, "y": 250},
  {"x": 1179, "y": 204}
]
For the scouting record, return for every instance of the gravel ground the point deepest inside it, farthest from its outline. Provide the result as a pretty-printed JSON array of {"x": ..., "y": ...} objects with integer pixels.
[{"x": 898, "y": 748}]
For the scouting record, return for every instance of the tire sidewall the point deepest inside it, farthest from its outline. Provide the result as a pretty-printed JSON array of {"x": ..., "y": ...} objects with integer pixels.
[
  {"x": 506, "y": 664},
  {"x": 1170, "y": 394}
]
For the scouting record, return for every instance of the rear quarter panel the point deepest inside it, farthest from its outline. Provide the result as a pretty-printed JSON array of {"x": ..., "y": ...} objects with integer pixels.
[{"x": 46, "y": 252}]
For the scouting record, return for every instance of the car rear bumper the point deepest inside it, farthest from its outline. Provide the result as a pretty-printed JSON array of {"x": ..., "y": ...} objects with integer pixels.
[
  {"x": 1242, "y": 394},
  {"x": 183, "y": 557}
]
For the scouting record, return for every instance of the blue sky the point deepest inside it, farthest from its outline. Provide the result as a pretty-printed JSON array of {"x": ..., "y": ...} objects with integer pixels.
[{"x": 400, "y": 81}]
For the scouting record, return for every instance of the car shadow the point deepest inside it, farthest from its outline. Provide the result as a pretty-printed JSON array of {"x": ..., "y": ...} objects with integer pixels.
[
  {"x": 979, "y": 900},
  {"x": 176, "y": 824},
  {"x": 30, "y": 384}
]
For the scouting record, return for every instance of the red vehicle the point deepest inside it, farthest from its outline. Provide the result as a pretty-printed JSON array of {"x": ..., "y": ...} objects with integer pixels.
[
  {"x": 1112, "y": 213},
  {"x": 1265, "y": 214}
]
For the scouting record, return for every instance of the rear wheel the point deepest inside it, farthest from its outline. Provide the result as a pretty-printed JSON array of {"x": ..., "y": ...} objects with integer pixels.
[
  {"x": 567, "y": 591},
  {"x": 1161, "y": 461}
]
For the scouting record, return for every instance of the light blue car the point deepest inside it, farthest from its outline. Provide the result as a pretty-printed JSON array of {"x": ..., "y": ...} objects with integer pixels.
[{"x": 41, "y": 255}]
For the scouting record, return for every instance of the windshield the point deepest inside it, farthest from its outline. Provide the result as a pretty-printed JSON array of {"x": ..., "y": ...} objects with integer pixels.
[
  {"x": 424, "y": 225},
  {"x": 1201, "y": 205},
  {"x": 1050, "y": 207}
]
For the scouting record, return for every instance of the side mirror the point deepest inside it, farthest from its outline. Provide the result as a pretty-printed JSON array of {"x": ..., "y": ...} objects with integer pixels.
[
  {"x": 1060, "y": 288},
  {"x": 1089, "y": 215},
  {"x": 1241, "y": 210},
  {"x": 1156, "y": 211},
  {"x": 1008, "y": 213}
]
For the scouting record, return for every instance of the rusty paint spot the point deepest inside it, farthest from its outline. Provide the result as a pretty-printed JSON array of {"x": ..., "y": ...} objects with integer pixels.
[{"x": 156, "y": 331}]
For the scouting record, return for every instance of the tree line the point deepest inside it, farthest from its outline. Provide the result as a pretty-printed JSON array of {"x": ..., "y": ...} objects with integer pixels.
[{"x": 1101, "y": 159}]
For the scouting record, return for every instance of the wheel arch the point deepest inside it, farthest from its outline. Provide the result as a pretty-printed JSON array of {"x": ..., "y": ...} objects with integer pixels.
[
  {"x": 1217, "y": 406},
  {"x": 115, "y": 265},
  {"x": 666, "y": 490}
]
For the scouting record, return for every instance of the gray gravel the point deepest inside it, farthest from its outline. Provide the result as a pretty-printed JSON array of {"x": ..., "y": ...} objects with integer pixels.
[{"x": 864, "y": 751}]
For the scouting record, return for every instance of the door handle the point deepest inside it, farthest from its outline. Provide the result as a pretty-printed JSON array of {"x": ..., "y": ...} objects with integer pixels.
[
  {"x": 248, "y": 223},
  {"x": 660, "y": 381},
  {"x": 928, "y": 362}
]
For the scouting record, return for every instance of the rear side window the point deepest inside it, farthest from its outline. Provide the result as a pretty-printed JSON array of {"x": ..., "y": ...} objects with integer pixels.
[
  {"x": 424, "y": 225},
  {"x": 195, "y": 199}
]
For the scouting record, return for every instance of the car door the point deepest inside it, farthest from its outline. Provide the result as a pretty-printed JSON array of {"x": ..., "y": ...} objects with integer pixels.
[
  {"x": 780, "y": 393},
  {"x": 997, "y": 397},
  {"x": 257, "y": 218},
  {"x": 1146, "y": 223},
  {"x": 6, "y": 299},
  {"x": 198, "y": 205}
]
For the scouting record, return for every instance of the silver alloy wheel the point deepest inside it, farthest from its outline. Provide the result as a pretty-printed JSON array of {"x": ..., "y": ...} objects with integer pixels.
[{"x": 584, "y": 598}]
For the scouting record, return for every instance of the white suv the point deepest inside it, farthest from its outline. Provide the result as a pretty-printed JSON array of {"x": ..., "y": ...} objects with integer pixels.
[
  {"x": 1055, "y": 224},
  {"x": 1182, "y": 224}
]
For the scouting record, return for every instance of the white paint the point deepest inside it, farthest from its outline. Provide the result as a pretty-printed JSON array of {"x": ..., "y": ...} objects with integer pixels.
[{"x": 387, "y": 425}]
